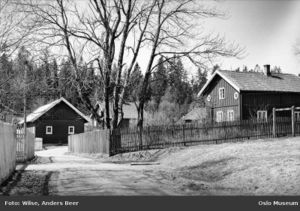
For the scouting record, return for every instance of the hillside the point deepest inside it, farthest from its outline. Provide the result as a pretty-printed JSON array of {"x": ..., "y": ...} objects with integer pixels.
[{"x": 263, "y": 167}]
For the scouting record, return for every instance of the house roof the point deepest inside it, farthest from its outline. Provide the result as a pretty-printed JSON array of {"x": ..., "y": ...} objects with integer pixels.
[
  {"x": 256, "y": 81},
  {"x": 195, "y": 114},
  {"x": 36, "y": 114},
  {"x": 129, "y": 110}
]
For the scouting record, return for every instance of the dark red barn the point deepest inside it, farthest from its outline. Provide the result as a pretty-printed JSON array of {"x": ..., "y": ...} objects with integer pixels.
[{"x": 53, "y": 122}]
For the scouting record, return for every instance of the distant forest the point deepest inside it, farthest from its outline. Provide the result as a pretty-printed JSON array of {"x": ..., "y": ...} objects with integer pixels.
[{"x": 171, "y": 94}]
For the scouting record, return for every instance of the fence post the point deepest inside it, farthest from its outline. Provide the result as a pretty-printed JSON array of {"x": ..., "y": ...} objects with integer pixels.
[
  {"x": 274, "y": 122},
  {"x": 293, "y": 120},
  {"x": 183, "y": 134}
]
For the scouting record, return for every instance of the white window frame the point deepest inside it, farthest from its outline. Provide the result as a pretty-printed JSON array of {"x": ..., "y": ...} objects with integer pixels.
[
  {"x": 221, "y": 93},
  {"x": 51, "y": 130},
  {"x": 297, "y": 115},
  {"x": 262, "y": 113},
  {"x": 208, "y": 98},
  {"x": 228, "y": 115},
  {"x": 220, "y": 116},
  {"x": 236, "y": 95},
  {"x": 69, "y": 132}
]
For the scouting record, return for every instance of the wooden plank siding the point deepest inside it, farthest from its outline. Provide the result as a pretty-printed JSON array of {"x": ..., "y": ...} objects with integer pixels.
[
  {"x": 8, "y": 147},
  {"x": 96, "y": 141},
  {"x": 25, "y": 145},
  {"x": 229, "y": 103},
  {"x": 254, "y": 101},
  {"x": 59, "y": 117}
]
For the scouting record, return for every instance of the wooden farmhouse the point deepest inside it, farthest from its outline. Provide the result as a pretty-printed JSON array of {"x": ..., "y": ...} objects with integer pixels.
[
  {"x": 53, "y": 122},
  {"x": 233, "y": 96}
]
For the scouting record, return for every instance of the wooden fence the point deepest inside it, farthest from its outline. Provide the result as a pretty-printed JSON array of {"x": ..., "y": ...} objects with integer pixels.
[
  {"x": 96, "y": 141},
  {"x": 7, "y": 150},
  {"x": 25, "y": 145},
  {"x": 191, "y": 134}
]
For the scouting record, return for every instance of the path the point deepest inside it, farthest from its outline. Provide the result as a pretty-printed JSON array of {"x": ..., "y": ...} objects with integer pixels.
[{"x": 65, "y": 174}]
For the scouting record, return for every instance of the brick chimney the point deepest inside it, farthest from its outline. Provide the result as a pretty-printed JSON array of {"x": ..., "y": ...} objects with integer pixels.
[{"x": 267, "y": 70}]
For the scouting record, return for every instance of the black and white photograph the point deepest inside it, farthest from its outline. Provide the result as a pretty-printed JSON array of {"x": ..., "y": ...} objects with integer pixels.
[{"x": 149, "y": 98}]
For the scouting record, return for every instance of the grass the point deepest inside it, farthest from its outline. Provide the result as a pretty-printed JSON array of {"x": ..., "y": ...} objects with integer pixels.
[{"x": 263, "y": 167}]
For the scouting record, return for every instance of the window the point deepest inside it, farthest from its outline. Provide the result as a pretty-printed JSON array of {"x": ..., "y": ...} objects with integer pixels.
[
  {"x": 235, "y": 95},
  {"x": 222, "y": 93},
  {"x": 230, "y": 115},
  {"x": 219, "y": 116},
  {"x": 297, "y": 116},
  {"x": 208, "y": 98},
  {"x": 49, "y": 130},
  {"x": 71, "y": 130},
  {"x": 262, "y": 115}
]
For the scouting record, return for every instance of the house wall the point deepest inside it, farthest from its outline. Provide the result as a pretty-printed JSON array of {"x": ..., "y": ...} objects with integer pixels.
[
  {"x": 235, "y": 109},
  {"x": 253, "y": 101},
  {"x": 216, "y": 104},
  {"x": 128, "y": 123},
  {"x": 59, "y": 117}
]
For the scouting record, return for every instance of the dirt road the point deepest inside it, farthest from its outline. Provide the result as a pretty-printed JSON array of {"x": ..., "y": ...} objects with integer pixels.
[
  {"x": 55, "y": 172},
  {"x": 262, "y": 167}
]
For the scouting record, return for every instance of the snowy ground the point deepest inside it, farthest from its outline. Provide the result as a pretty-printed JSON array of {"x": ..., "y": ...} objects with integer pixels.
[
  {"x": 74, "y": 175},
  {"x": 270, "y": 167}
]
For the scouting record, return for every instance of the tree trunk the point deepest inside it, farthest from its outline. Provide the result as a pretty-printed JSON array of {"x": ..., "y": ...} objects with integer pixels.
[
  {"x": 106, "y": 99},
  {"x": 140, "y": 124}
]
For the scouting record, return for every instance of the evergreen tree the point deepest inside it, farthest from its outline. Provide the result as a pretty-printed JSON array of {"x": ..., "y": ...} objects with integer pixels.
[
  {"x": 134, "y": 86},
  {"x": 159, "y": 83},
  {"x": 180, "y": 88}
]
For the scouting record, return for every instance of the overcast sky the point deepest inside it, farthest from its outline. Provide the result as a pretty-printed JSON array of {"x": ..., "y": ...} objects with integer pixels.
[{"x": 269, "y": 30}]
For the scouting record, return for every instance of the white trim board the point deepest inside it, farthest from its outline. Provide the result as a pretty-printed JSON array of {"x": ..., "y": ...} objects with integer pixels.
[
  {"x": 45, "y": 108},
  {"x": 222, "y": 76}
]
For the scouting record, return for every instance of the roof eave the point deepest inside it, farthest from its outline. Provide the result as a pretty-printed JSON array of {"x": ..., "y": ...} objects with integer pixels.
[
  {"x": 222, "y": 76},
  {"x": 54, "y": 104}
]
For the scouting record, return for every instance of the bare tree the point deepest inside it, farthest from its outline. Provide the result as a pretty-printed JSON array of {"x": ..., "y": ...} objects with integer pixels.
[
  {"x": 119, "y": 32},
  {"x": 104, "y": 31},
  {"x": 12, "y": 30},
  {"x": 52, "y": 20},
  {"x": 119, "y": 22},
  {"x": 172, "y": 28}
]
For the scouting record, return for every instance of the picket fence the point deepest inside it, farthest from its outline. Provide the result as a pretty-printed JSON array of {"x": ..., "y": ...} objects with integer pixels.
[
  {"x": 7, "y": 150},
  {"x": 96, "y": 141},
  {"x": 25, "y": 145},
  {"x": 156, "y": 137}
]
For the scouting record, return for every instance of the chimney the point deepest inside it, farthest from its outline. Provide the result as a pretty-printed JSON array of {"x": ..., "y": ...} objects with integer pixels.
[{"x": 267, "y": 69}]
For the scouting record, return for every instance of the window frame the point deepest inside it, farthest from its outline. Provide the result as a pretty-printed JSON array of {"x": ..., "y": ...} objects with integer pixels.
[
  {"x": 265, "y": 115},
  {"x": 222, "y": 116},
  {"x": 208, "y": 98},
  {"x": 297, "y": 115},
  {"x": 71, "y": 133},
  {"x": 51, "y": 132},
  {"x": 221, "y": 93},
  {"x": 235, "y": 95},
  {"x": 228, "y": 112}
]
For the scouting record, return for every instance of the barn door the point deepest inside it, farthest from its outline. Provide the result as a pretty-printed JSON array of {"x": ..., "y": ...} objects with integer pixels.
[{"x": 20, "y": 136}]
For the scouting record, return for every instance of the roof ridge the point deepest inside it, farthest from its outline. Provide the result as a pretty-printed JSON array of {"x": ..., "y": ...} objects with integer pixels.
[
  {"x": 246, "y": 72},
  {"x": 40, "y": 111}
]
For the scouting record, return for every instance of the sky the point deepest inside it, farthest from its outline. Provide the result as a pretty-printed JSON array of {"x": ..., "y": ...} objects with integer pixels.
[{"x": 268, "y": 29}]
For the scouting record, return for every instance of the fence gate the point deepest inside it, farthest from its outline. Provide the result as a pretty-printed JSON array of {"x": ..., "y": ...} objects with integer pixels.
[{"x": 20, "y": 136}]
